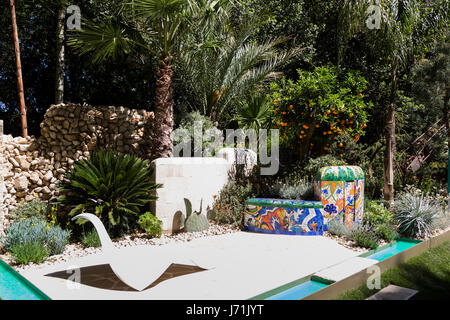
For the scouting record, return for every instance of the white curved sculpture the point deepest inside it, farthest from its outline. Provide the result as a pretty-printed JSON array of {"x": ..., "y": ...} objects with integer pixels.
[{"x": 137, "y": 266}]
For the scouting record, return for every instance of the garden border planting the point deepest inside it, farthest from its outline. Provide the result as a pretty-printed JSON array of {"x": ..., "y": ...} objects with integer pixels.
[{"x": 333, "y": 289}]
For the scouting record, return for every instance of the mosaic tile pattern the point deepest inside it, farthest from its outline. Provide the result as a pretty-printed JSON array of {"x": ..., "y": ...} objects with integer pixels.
[
  {"x": 344, "y": 199},
  {"x": 296, "y": 217},
  {"x": 340, "y": 173},
  {"x": 339, "y": 194}
]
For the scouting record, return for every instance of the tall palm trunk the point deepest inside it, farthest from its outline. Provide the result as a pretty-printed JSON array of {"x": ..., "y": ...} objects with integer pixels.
[
  {"x": 163, "y": 110},
  {"x": 59, "y": 76},
  {"x": 23, "y": 112},
  {"x": 389, "y": 128}
]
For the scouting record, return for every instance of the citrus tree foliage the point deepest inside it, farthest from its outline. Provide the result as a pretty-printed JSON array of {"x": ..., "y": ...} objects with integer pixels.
[{"x": 321, "y": 105}]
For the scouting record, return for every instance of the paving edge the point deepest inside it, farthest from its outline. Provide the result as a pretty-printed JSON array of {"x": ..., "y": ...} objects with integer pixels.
[{"x": 357, "y": 279}]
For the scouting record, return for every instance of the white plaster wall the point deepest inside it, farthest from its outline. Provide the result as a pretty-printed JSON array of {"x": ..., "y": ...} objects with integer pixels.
[{"x": 193, "y": 178}]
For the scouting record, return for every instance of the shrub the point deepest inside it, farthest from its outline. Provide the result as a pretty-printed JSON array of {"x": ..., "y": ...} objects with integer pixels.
[
  {"x": 151, "y": 225},
  {"x": 339, "y": 229},
  {"x": 27, "y": 209},
  {"x": 300, "y": 191},
  {"x": 319, "y": 107},
  {"x": 189, "y": 123},
  {"x": 114, "y": 186},
  {"x": 375, "y": 214},
  {"x": 195, "y": 221},
  {"x": 314, "y": 165},
  {"x": 29, "y": 252},
  {"x": 386, "y": 231},
  {"x": 57, "y": 239},
  {"x": 230, "y": 204},
  {"x": 35, "y": 230},
  {"x": 90, "y": 239},
  {"x": 364, "y": 236},
  {"x": 416, "y": 215}
]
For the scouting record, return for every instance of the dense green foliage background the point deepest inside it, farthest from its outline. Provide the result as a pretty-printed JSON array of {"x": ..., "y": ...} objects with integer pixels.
[{"x": 313, "y": 27}]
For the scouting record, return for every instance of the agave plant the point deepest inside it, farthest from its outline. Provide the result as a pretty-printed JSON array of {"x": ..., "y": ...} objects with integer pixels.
[
  {"x": 113, "y": 186},
  {"x": 415, "y": 214}
]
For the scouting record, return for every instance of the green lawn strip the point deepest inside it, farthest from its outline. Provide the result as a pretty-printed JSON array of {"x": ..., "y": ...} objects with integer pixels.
[{"x": 429, "y": 273}]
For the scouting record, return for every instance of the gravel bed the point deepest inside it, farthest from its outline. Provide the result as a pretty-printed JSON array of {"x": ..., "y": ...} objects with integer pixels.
[{"x": 77, "y": 250}]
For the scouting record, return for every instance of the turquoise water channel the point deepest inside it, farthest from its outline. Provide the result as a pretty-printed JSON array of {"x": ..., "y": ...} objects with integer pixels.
[
  {"x": 299, "y": 291},
  {"x": 308, "y": 287},
  {"x": 394, "y": 248},
  {"x": 15, "y": 287}
]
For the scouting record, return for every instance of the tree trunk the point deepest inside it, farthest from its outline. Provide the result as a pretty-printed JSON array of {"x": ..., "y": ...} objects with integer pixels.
[
  {"x": 23, "y": 112},
  {"x": 389, "y": 151},
  {"x": 163, "y": 128},
  {"x": 447, "y": 127},
  {"x": 59, "y": 76},
  {"x": 305, "y": 146}
]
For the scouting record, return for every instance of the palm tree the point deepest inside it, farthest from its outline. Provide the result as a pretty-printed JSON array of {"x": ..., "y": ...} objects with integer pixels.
[
  {"x": 254, "y": 113},
  {"x": 393, "y": 43},
  {"x": 223, "y": 63},
  {"x": 158, "y": 27}
]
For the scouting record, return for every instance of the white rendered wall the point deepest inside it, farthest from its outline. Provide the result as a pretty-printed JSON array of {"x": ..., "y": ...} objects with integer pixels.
[{"x": 196, "y": 179}]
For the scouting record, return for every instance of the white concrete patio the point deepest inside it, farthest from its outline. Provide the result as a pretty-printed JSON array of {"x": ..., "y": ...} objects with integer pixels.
[{"x": 240, "y": 265}]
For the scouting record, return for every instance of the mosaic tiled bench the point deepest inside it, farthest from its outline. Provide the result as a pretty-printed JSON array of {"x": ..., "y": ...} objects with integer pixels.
[
  {"x": 341, "y": 191},
  {"x": 296, "y": 217}
]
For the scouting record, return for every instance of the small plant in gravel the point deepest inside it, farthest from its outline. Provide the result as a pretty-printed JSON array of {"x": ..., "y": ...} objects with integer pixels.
[
  {"x": 386, "y": 231},
  {"x": 29, "y": 252},
  {"x": 416, "y": 214},
  {"x": 375, "y": 213},
  {"x": 230, "y": 204},
  {"x": 150, "y": 224},
  {"x": 195, "y": 220},
  {"x": 379, "y": 220},
  {"x": 338, "y": 228},
  {"x": 27, "y": 209},
  {"x": 90, "y": 239},
  {"x": 364, "y": 236}
]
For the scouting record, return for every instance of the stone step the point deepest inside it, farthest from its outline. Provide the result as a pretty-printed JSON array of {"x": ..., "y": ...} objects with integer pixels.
[{"x": 393, "y": 292}]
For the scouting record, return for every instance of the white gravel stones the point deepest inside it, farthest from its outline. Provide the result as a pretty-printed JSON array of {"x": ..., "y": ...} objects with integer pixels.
[{"x": 76, "y": 250}]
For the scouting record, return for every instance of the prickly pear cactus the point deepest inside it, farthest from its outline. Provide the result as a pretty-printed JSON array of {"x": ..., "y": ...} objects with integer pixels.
[{"x": 195, "y": 221}]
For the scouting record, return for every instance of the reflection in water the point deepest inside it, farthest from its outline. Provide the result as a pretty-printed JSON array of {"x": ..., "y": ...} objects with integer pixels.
[{"x": 103, "y": 277}]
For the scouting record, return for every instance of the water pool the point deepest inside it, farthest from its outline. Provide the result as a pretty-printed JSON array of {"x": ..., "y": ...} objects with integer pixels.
[
  {"x": 299, "y": 291},
  {"x": 392, "y": 249},
  {"x": 15, "y": 287}
]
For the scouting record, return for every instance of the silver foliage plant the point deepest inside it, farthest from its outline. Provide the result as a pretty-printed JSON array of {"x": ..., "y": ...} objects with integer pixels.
[{"x": 417, "y": 214}]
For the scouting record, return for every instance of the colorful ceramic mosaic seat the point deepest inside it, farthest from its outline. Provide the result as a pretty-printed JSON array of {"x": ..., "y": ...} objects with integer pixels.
[
  {"x": 284, "y": 216},
  {"x": 341, "y": 191}
]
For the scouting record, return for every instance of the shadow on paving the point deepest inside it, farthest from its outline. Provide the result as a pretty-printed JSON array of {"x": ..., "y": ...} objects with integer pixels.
[{"x": 103, "y": 277}]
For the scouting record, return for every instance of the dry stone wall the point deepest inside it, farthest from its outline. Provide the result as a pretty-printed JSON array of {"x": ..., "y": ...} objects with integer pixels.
[{"x": 33, "y": 167}]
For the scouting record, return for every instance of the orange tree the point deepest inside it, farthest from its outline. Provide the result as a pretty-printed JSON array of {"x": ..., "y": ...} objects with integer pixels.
[{"x": 318, "y": 108}]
